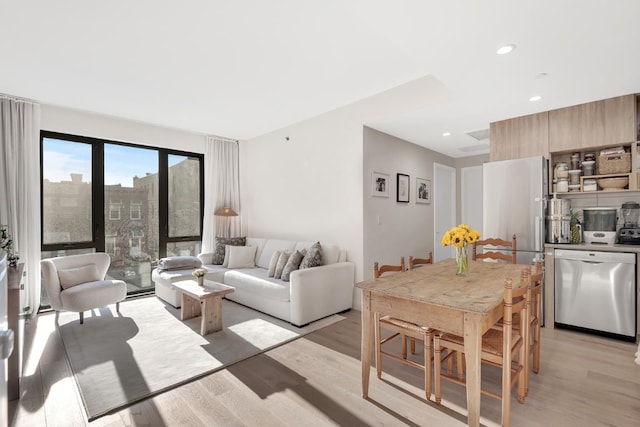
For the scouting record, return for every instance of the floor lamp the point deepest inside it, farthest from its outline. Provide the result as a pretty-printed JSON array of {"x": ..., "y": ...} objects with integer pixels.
[{"x": 226, "y": 212}]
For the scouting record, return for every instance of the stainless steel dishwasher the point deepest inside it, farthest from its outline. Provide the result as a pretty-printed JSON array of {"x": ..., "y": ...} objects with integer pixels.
[{"x": 596, "y": 292}]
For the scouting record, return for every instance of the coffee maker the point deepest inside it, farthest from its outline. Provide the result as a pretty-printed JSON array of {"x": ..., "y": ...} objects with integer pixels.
[{"x": 629, "y": 234}]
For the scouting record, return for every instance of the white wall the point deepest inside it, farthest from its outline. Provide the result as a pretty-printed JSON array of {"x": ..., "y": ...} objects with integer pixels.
[
  {"x": 308, "y": 187},
  {"x": 393, "y": 229},
  {"x": 84, "y": 123}
]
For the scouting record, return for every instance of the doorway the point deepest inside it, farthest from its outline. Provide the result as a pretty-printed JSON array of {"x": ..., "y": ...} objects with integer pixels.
[{"x": 444, "y": 208}]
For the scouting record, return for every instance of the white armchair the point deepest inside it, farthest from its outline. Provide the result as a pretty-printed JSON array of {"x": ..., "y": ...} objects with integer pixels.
[{"x": 77, "y": 283}]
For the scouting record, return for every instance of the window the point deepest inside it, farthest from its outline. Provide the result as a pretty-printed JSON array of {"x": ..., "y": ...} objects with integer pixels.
[
  {"x": 105, "y": 196},
  {"x": 135, "y": 210},
  {"x": 114, "y": 210}
]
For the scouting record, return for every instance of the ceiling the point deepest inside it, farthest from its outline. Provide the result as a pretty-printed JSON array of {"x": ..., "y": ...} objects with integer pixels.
[{"x": 241, "y": 69}]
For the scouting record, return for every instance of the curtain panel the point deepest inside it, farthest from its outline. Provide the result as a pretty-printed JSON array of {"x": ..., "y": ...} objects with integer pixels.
[
  {"x": 20, "y": 186},
  {"x": 222, "y": 189}
]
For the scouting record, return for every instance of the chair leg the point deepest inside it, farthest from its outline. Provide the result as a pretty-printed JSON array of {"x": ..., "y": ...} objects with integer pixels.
[
  {"x": 404, "y": 346},
  {"x": 460, "y": 365},
  {"x": 81, "y": 317}
]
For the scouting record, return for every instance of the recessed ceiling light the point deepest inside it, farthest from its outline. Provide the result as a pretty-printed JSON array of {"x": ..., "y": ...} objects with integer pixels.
[
  {"x": 503, "y": 50},
  {"x": 446, "y": 134},
  {"x": 535, "y": 98}
]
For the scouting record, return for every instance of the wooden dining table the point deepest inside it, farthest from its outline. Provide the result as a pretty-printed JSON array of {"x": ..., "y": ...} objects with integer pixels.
[{"x": 434, "y": 296}]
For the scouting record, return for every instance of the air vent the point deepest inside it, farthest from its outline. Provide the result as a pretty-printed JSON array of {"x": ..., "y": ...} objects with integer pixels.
[
  {"x": 472, "y": 148},
  {"x": 480, "y": 135}
]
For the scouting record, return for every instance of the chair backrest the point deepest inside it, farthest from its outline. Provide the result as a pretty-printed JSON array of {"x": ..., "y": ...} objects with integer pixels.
[
  {"x": 378, "y": 270},
  {"x": 51, "y": 267},
  {"x": 516, "y": 300},
  {"x": 418, "y": 261},
  {"x": 535, "y": 305},
  {"x": 500, "y": 256}
]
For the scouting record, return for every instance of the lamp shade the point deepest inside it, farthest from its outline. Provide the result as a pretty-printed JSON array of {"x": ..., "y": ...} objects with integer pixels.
[{"x": 226, "y": 211}]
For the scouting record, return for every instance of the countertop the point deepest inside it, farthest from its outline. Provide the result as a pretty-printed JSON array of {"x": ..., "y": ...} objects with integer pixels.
[{"x": 594, "y": 247}]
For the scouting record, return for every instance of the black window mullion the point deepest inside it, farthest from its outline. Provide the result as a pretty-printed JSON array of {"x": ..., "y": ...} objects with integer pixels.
[
  {"x": 98, "y": 196},
  {"x": 163, "y": 201}
]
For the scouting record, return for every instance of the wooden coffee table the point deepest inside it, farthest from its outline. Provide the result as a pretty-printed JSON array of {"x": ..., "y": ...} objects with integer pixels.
[{"x": 205, "y": 301}]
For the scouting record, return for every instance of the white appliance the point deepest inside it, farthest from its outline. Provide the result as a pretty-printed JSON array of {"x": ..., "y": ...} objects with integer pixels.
[
  {"x": 6, "y": 342},
  {"x": 515, "y": 193}
]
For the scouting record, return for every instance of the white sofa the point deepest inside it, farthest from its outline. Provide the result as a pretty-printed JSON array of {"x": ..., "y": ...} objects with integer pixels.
[{"x": 311, "y": 293}]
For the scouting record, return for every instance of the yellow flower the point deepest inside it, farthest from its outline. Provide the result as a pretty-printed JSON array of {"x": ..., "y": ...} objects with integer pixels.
[{"x": 460, "y": 236}]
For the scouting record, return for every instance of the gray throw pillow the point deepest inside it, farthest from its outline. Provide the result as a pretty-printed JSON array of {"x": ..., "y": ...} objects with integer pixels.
[
  {"x": 273, "y": 263},
  {"x": 221, "y": 242},
  {"x": 293, "y": 263},
  {"x": 313, "y": 258},
  {"x": 282, "y": 261}
]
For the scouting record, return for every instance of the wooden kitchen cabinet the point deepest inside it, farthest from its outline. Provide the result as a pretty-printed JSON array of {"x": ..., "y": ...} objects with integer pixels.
[
  {"x": 520, "y": 137},
  {"x": 594, "y": 124}
]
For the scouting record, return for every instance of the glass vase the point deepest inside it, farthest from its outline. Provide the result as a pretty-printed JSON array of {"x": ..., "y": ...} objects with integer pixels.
[{"x": 462, "y": 264}]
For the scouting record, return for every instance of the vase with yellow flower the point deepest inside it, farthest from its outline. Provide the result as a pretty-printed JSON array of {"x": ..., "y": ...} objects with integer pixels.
[{"x": 460, "y": 237}]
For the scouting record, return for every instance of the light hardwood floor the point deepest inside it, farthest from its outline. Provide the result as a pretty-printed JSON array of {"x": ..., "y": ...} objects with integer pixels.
[{"x": 315, "y": 381}]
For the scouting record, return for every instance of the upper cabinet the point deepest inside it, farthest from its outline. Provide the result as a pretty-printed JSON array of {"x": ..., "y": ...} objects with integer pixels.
[
  {"x": 594, "y": 124},
  {"x": 521, "y": 137}
]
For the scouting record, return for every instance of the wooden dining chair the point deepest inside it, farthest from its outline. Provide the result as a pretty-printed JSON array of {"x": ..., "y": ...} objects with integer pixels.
[
  {"x": 532, "y": 358},
  {"x": 403, "y": 329},
  {"x": 378, "y": 270},
  {"x": 413, "y": 262},
  {"x": 493, "y": 254},
  {"x": 494, "y": 342}
]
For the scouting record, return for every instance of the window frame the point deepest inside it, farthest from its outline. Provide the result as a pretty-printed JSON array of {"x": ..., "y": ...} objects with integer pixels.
[{"x": 97, "y": 193}]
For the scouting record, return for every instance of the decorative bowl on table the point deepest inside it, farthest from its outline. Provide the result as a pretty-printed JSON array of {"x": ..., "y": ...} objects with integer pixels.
[{"x": 613, "y": 184}]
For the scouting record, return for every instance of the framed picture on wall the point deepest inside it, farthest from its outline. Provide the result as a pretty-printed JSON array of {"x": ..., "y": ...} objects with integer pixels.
[
  {"x": 403, "y": 188},
  {"x": 379, "y": 184},
  {"x": 423, "y": 190}
]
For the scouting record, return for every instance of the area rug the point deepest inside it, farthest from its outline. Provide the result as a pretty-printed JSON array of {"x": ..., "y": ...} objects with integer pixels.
[{"x": 146, "y": 349}]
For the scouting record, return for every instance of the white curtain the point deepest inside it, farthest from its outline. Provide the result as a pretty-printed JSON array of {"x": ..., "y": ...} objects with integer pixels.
[
  {"x": 222, "y": 189},
  {"x": 20, "y": 186}
]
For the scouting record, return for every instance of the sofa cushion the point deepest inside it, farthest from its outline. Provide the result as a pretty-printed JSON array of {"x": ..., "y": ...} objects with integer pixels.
[
  {"x": 270, "y": 247},
  {"x": 293, "y": 263},
  {"x": 241, "y": 256},
  {"x": 273, "y": 263},
  {"x": 78, "y": 275},
  {"x": 282, "y": 261},
  {"x": 179, "y": 262},
  {"x": 313, "y": 258},
  {"x": 221, "y": 243},
  {"x": 255, "y": 280}
]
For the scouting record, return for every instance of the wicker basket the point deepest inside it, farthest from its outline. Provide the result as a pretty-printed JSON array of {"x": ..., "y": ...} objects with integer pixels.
[{"x": 614, "y": 163}]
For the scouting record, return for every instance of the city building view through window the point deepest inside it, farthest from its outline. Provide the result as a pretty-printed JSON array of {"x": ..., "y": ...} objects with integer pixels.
[{"x": 104, "y": 197}]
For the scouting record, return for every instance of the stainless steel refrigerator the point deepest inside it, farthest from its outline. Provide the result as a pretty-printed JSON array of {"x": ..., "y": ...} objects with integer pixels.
[{"x": 514, "y": 202}]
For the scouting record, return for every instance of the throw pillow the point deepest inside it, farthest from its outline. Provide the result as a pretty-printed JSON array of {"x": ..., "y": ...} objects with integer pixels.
[
  {"x": 273, "y": 263},
  {"x": 292, "y": 264},
  {"x": 313, "y": 258},
  {"x": 76, "y": 276},
  {"x": 221, "y": 243},
  {"x": 242, "y": 256},
  {"x": 282, "y": 261}
]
